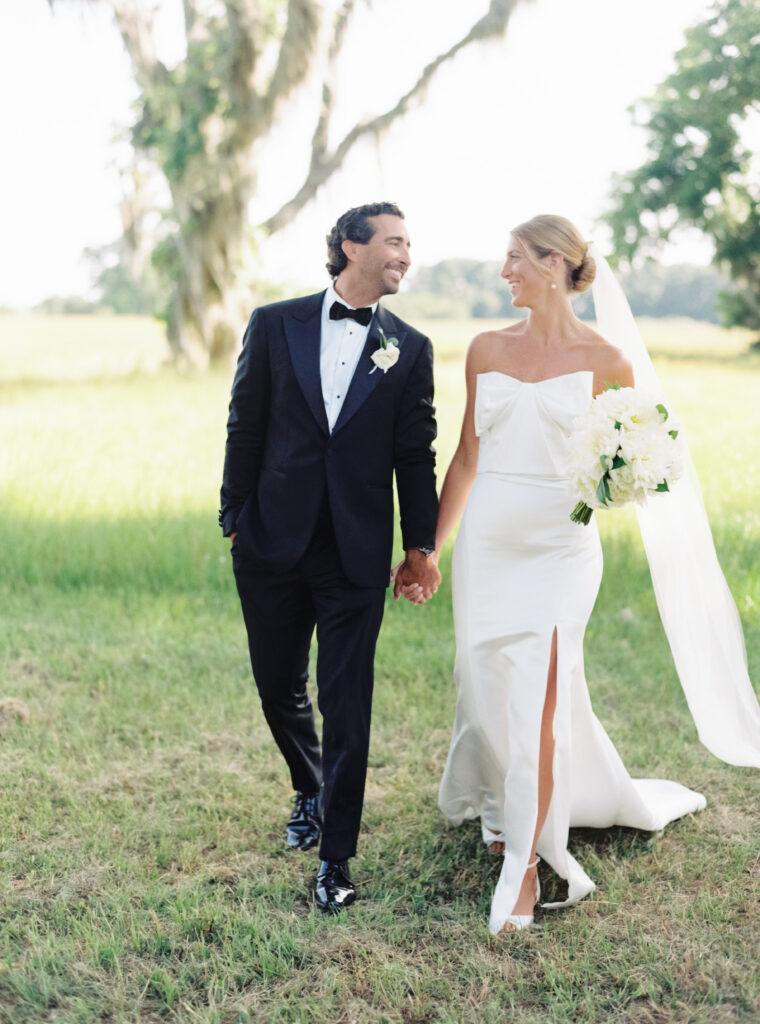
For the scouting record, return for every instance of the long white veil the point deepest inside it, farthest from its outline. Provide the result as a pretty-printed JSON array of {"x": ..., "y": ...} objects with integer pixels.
[{"x": 696, "y": 607}]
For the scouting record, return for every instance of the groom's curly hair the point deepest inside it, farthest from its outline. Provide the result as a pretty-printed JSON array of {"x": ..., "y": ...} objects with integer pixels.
[{"x": 354, "y": 226}]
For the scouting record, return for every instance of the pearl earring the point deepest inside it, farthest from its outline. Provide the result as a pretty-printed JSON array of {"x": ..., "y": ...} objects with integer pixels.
[{"x": 553, "y": 285}]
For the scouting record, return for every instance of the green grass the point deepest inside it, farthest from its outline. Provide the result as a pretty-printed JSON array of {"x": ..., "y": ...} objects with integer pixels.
[{"x": 142, "y": 876}]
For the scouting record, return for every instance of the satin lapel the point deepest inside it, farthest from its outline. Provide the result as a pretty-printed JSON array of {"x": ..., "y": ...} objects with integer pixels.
[
  {"x": 364, "y": 381},
  {"x": 303, "y": 338}
]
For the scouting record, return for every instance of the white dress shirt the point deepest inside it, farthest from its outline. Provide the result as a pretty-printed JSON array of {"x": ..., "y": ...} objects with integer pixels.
[{"x": 342, "y": 343}]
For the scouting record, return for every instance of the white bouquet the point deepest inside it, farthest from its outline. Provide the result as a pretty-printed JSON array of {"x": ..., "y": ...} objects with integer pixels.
[{"x": 623, "y": 449}]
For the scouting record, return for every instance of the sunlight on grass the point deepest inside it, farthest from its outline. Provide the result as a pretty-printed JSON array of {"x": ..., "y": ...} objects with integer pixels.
[
  {"x": 36, "y": 347},
  {"x": 141, "y": 867}
]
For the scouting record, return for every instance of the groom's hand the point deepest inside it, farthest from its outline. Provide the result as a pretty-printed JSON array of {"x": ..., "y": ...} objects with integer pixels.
[
  {"x": 417, "y": 578},
  {"x": 412, "y": 591}
]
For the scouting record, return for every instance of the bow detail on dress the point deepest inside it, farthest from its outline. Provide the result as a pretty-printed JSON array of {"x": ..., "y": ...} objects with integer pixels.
[
  {"x": 496, "y": 393},
  {"x": 561, "y": 398}
]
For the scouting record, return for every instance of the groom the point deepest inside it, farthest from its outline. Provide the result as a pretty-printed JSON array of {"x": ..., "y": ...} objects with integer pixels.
[{"x": 333, "y": 394}]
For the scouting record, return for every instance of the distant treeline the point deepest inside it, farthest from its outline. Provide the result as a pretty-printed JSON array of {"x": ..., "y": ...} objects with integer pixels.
[
  {"x": 452, "y": 289},
  {"x": 471, "y": 288}
]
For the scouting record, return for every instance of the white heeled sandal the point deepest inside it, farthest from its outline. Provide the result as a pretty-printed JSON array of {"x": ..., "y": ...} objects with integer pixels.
[{"x": 517, "y": 922}]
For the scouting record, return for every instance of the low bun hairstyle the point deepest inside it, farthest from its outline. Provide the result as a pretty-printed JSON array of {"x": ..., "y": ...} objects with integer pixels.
[
  {"x": 551, "y": 233},
  {"x": 583, "y": 275}
]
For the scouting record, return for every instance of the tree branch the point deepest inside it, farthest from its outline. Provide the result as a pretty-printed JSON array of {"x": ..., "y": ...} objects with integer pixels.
[
  {"x": 321, "y": 132},
  {"x": 189, "y": 16},
  {"x": 296, "y": 50},
  {"x": 243, "y": 25},
  {"x": 322, "y": 166},
  {"x": 135, "y": 25}
]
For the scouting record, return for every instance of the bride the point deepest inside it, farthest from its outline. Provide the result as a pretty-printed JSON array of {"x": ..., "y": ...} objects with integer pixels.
[{"x": 528, "y": 756}]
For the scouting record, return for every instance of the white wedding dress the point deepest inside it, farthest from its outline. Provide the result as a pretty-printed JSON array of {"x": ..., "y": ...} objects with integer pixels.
[{"x": 521, "y": 570}]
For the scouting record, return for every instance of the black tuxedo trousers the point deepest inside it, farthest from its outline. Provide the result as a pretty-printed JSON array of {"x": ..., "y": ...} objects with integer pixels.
[
  {"x": 281, "y": 610},
  {"x": 313, "y": 511}
]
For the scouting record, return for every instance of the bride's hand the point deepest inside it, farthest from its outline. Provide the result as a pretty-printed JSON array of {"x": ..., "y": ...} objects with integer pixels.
[{"x": 413, "y": 592}]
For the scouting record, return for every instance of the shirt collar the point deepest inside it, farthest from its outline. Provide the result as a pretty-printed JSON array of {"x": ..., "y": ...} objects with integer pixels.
[{"x": 332, "y": 296}]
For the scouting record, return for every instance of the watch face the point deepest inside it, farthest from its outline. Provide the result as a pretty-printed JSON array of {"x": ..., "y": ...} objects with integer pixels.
[{"x": 426, "y": 551}]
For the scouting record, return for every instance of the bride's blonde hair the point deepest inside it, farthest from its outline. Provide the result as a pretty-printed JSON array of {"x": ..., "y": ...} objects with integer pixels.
[{"x": 551, "y": 233}]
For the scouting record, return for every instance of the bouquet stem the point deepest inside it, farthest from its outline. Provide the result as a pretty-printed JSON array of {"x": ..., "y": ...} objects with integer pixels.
[{"x": 582, "y": 513}]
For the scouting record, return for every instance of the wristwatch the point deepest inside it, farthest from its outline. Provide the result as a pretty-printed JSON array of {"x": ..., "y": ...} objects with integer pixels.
[{"x": 427, "y": 552}]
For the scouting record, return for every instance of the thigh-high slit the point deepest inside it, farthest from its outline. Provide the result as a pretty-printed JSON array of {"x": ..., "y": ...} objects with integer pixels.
[{"x": 525, "y": 577}]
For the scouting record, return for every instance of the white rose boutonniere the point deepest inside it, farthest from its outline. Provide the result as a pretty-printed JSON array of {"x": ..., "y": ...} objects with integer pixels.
[{"x": 387, "y": 355}]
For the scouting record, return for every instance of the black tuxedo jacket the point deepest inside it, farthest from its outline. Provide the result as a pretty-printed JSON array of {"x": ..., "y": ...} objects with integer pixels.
[{"x": 281, "y": 458}]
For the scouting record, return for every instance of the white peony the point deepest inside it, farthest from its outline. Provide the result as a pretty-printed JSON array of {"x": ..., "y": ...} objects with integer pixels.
[
  {"x": 642, "y": 451},
  {"x": 594, "y": 436},
  {"x": 623, "y": 486}
]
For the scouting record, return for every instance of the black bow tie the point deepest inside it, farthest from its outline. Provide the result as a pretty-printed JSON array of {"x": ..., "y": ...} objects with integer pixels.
[{"x": 340, "y": 312}]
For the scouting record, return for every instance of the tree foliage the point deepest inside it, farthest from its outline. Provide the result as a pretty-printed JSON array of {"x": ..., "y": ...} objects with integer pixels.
[
  {"x": 202, "y": 122},
  {"x": 702, "y": 170}
]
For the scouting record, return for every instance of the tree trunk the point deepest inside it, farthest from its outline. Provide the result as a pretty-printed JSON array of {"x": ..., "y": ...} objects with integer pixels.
[
  {"x": 200, "y": 121},
  {"x": 210, "y": 303}
]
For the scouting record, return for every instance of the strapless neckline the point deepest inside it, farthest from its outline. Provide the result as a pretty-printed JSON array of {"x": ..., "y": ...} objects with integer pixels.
[
  {"x": 523, "y": 426},
  {"x": 543, "y": 380}
]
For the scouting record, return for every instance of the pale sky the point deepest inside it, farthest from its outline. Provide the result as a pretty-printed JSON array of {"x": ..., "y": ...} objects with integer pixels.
[{"x": 536, "y": 123}]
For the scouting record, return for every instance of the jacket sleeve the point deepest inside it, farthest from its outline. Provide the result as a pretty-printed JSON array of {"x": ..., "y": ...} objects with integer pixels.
[
  {"x": 414, "y": 454},
  {"x": 246, "y": 424}
]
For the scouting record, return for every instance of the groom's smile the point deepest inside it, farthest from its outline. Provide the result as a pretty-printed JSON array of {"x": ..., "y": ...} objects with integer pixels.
[{"x": 385, "y": 258}]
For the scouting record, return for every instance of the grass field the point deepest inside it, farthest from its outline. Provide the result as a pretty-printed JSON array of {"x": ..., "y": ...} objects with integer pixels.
[{"x": 142, "y": 876}]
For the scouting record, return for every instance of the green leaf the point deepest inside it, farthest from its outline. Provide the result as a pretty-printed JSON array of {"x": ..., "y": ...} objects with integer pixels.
[
  {"x": 673, "y": 434},
  {"x": 618, "y": 462},
  {"x": 662, "y": 411},
  {"x": 606, "y": 463},
  {"x": 603, "y": 490},
  {"x": 700, "y": 169},
  {"x": 661, "y": 488}
]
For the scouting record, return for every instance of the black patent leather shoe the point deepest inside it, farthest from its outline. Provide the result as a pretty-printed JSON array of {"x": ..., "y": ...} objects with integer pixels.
[
  {"x": 334, "y": 890},
  {"x": 305, "y": 823}
]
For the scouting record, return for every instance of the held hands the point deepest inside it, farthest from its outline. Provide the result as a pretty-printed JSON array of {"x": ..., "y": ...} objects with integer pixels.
[{"x": 416, "y": 578}]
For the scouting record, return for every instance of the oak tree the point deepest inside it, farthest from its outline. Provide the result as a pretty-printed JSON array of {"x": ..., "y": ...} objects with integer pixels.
[
  {"x": 703, "y": 169},
  {"x": 202, "y": 122}
]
